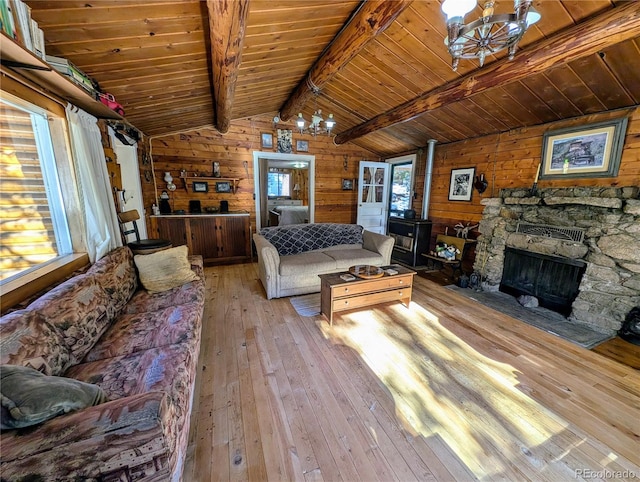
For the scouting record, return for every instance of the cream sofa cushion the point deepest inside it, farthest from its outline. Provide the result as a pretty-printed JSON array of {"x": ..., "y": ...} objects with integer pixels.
[
  {"x": 304, "y": 263},
  {"x": 345, "y": 258},
  {"x": 164, "y": 270}
]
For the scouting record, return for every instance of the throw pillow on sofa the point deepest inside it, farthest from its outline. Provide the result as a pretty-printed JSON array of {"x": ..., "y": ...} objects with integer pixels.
[
  {"x": 166, "y": 269},
  {"x": 29, "y": 397}
]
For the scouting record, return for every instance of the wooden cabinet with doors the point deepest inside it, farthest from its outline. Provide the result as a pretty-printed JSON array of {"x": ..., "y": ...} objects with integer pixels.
[{"x": 217, "y": 238}]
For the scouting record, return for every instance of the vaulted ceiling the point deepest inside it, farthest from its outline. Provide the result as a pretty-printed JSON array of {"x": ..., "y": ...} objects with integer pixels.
[{"x": 383, "y": 68}]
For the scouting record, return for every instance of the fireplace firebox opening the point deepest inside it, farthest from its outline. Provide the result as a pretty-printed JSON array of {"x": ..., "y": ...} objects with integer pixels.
[{"x": 554, "y": 280}]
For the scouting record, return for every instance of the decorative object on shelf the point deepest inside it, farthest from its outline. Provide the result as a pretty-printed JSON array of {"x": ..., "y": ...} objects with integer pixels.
[
  {"x": 224, "y": 186},
  {"x": 534, "y": 188},
  {"x": 488, "y": 34},
  {"x": 284, "y": 141},
  {"x": 165, "y": 207},
  {"x": 462, "y": 230},
  {"x": 216, "y": 169},
  {"x": 183, "y": 173},
  {"x": 110, "y": 101},
  {"x": 460, "y": 186},
  {"x": 169, "y": 180},
  {"x": 588, "y": 151},
  {"x": 266, "y": 140},
  {"x": 345, "y": 163},
  {"x": 347, "y": 184},
  {"x": 200, "y": 186},
  {"x": 302, "y": 146},
  {"x": 481, "y": 183}
]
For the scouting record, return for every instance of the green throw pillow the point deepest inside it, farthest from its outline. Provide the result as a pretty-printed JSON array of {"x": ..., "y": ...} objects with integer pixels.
[{"x": 28, "y": 397}]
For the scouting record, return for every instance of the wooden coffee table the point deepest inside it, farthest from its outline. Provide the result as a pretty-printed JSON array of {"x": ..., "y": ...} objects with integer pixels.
[{"x": 339, "y": 295}]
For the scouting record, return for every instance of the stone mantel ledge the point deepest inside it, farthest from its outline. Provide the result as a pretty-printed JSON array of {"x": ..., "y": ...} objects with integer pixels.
[
  {"x": 628, "y": 192},
  {"x": 601, "y": 202},
  {"x": 530, "y": 201}
]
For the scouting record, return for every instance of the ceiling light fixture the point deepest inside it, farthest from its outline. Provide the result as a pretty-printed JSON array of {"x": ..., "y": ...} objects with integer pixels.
[
  {"x": 315, "y": 126},
  {"x": 487, "y": 35}
]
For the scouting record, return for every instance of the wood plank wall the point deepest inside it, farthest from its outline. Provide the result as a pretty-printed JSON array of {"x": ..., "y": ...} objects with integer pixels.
[
  {"x": 196, "y": 150},
  {"x": 510, "y": 160}
]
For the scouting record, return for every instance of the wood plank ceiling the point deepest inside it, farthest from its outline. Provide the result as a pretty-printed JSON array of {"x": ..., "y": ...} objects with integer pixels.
[{"x": 155, "y": 57}]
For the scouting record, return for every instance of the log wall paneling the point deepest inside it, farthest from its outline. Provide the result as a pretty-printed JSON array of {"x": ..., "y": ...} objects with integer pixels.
[
  {"x": 510, "y": 160},
  {"x": 195, "y": 151}
]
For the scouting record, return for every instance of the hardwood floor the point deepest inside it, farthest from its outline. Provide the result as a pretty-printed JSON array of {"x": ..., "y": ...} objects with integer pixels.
[{"x": 444, "y": 390}]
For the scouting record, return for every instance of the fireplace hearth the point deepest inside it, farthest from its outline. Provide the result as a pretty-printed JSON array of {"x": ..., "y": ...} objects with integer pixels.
[{"x": 604, "y": 261}]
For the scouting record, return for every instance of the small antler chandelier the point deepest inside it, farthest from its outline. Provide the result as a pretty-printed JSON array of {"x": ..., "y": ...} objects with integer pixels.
[{"x": 487, "y": 35}]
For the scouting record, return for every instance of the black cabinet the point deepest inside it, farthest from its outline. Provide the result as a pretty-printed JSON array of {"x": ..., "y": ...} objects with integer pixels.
[{"x": 412, "y": 238}]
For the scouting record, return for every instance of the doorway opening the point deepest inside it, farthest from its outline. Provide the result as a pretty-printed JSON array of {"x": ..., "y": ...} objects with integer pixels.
[
  {"x": 402, "y": 179},
  {"x": 284, "y": 187}
]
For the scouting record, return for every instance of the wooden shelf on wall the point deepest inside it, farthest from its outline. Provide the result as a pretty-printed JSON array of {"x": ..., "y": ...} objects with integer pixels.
[
  {"x": 50, "y": 79},
  {"x": 189, "y": 180}
]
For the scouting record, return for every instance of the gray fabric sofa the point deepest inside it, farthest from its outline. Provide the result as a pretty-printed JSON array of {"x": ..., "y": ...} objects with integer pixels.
[{"x": 291, "y": 257}]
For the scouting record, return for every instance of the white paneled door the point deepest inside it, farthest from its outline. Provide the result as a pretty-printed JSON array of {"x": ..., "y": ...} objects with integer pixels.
[{"x": 373, "y": 195}]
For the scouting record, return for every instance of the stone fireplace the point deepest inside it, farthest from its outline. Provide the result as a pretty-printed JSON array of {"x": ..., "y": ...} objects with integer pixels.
[{"x": 590, "y": 234}]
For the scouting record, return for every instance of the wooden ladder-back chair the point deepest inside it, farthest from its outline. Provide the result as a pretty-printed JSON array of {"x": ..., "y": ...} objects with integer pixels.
[{"x": 139, "y": 246}]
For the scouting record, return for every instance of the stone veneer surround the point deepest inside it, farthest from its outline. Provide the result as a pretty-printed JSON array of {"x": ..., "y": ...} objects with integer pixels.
[{"x": 610, "y": 218}]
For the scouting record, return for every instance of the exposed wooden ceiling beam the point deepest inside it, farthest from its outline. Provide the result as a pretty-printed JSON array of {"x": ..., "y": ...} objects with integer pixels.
[
  {"x": 610, "y": 28},
  {"x": 372, "y": 18},
  {"x": 227, "y": 25}
]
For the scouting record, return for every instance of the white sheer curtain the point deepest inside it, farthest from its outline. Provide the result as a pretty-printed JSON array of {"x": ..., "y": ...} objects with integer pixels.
[{"x": 102, "y": 233}]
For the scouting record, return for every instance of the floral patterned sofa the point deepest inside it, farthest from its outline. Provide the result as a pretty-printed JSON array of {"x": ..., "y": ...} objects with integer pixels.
[{"x": 140, "y": 348}]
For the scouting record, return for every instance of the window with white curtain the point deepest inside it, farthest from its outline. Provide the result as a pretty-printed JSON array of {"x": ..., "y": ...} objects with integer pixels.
[{"x": 33, "y": 221}]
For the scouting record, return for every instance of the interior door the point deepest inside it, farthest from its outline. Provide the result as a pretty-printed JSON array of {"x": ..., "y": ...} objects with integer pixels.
[{"x": 373, "y": 195}]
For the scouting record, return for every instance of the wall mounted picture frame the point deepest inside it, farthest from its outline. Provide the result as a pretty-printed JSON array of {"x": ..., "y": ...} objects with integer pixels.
[
  {"x": 223, "y": 186},
  {"x": 302, "y": 146},
  {"x": 285, "y": 141},
  {"x": 200, "y": 186},
  {"x": 347, "y": 184},
  {"x": 592, "y": 150},
  {"x": 461, "y": 184},
  {"x": 266, "y": 140}
]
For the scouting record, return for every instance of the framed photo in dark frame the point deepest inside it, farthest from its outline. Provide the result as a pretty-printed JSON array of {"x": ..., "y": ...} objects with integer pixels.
[
  {"x": 347, "y": 184},
  {"x": 461, "y": 184},
  {"x": 223, "y": 186},
  {"x": 592, "y": 150},
  {"x": 200, "y": 186}
]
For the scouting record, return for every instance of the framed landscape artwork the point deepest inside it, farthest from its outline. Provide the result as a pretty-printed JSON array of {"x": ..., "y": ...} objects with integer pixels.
[
  {"x": 266, "y": 140},
  {"x": 223, "y": 186},
  {"x": 588, "y": 151},
  {"x": 461, "y": 184},
  {"x": 199, "y": 186}
]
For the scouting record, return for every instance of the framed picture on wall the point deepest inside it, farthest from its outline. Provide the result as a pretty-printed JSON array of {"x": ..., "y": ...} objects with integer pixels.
[
  {"x": 302, "y": 146},
  {"x": 224, "y": 186},
  {"x": 266, "y": 140},
  {"x": 588, "y": 151},
  {"x": 347, "y": 184},
  {"x": 200, "y": 186},
  {"x": 285, "y": 141},
  {"x": 461, "y": 184}
]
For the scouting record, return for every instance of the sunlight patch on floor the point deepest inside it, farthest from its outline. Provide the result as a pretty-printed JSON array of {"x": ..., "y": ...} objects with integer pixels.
[{"x": 443, "y": 386}]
